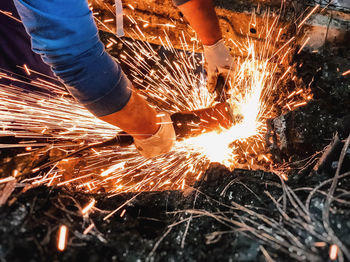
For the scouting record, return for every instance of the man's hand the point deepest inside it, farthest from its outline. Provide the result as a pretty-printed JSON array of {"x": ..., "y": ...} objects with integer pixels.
[
  {"x": 219, "y": 62},
  {"x": 153, "y": 133},
  {"x": 202, "y": 17},
  {"x": 159, "y": 143}
]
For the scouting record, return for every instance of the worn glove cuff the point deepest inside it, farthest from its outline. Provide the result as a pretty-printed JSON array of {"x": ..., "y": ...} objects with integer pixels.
[
  {"x": 161, "y": 142},
  {"x": 218, "y": 44},
  {"x": 217, "y": 54},
  {"x": 219, "y": 62}
]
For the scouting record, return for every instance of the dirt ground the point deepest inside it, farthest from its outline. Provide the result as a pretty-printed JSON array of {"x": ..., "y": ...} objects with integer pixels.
[{"x": 211, "y": 223}]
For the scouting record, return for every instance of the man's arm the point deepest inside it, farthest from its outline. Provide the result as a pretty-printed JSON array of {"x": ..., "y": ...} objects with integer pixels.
[
  {"x": 202, "y": 17},
  {"x": 64, "y": 34}
]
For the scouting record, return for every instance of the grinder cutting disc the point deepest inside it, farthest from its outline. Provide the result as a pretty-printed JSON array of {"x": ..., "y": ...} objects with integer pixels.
[{"x": 193, "y": 123}]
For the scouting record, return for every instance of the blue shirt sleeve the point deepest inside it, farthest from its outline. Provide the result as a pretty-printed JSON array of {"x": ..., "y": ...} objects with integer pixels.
[{"x": 64, "y": 34}]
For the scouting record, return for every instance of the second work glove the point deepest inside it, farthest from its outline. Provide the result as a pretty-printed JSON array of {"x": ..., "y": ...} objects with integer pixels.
[
  {"x": 219, "y": 62},
  {"x": 159, "y": 143}
]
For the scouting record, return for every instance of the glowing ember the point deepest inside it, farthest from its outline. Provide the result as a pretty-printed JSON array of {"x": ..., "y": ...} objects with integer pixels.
[
  {"x": 304, "y": 44},
  {"x": 346, "y": 73},
  {"x": 88, "y": 229},
  {"x": 333, "y": 252},
  {"x": 88, "y": 207},
  {"x": 62, "y": 238},
  {"x": 26, "y": 69},
  {"x": 320, "y": 244},
  {"x": 309, "y": 15},
  {"x": 112, "y": 169},
  {"x": 123, "y": 213},
  {"x": 7, "y": 179}
]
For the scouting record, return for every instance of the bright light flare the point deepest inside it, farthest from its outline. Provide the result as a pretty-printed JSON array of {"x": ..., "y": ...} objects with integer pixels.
[{"x": 253, "y": 79}]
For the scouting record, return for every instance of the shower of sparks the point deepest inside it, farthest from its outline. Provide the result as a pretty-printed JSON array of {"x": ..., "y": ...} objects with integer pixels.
[{"x": 50, "y": 122}]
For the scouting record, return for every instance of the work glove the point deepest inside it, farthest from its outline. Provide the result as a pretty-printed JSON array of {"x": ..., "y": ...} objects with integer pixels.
[
  {"x": 219, "y": 62},
  {"x": 161, "y": 142}
]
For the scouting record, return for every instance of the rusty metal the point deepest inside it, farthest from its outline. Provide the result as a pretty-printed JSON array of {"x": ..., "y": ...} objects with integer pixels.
[{"x": 155, "y": 18}]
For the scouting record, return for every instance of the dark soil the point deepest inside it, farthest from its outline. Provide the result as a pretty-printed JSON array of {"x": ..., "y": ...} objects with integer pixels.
[{"x": 29, "y": 225}]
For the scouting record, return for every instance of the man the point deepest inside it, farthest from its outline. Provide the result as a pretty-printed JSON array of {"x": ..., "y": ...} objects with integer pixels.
[{"x": 64, "y": 34}]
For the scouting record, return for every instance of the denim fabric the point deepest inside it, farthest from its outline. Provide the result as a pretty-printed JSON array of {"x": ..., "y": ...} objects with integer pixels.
[{"x": 63, "y": 32}]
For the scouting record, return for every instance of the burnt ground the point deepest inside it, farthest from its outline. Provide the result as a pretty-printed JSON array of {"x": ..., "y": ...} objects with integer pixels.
[
  {"x": 241, "y": 215},
  {"x": 220, "y": 228}
]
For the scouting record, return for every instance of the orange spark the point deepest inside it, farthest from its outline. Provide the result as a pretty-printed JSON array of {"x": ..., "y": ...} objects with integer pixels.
[
  {"x": 303, "y": 45},
  {"x": 308, "y": 16},
  {"x": 109, "y": 45},
  {"x": 333, "y": 252},
  {"x": 9, "y": 14},
  {"x": 112, "y": 169},
  {"x": 15, "y": 173},
  {"x": 88, "y": 229},
  {"x": 291, "y": 94},
  {"x": 26, "y": 69},
  {"x": 284, "y": 176},
  {"x": 62, "y": 238},
  {"x": 284, "y": 75},
  {"x": 6, "y": 179},
  {"x": 286, "y": 44},
  {"x": 346, "y": 73},
  {"x": 300, "y": 104},
  {"x": 266, "y": 159},
  {"x": 86, "y": 209},
  {"x": 35, "y": 170}
]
